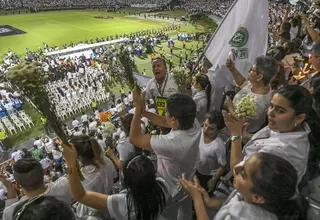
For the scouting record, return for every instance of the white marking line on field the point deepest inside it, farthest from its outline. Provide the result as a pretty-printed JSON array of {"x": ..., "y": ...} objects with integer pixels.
[{"x": 84, "y": 29}]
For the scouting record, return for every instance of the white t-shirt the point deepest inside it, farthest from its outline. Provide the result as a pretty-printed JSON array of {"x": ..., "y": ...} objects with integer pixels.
[
  {"x": 93, "y": 125},
  {"x": 45, "y": 163},
  {"x": 38, "y": 143},
  {"x": 119, "y": 107},
  {"x": 57, "y": 154},
  {"x": 102, "y": 144},
  {"x": 130, "y": 97},
  {"x": 177, "y": 154},
  {"x": 16, "y": 155},
  {"x": 201, "y": 101},
  {"x": 49, "y": 145},
  {"x": 84, "y": 118},
  {"x": 263, "y": 102},
  {"x": 125, "y": 149},
  {"x": 75, "y": 123},
  {"x": 236, "y": 209},
  {"x": 117, "y": 204},
  {"x": 211, "y": 156},
  {"x": 77, "y": 133},
  {"x": 168, "y": 88},
  {"x": 97, "y": 179}
]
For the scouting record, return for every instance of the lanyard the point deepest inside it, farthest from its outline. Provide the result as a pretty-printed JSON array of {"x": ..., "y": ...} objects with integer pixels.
[{"x": 160, "y": 89}]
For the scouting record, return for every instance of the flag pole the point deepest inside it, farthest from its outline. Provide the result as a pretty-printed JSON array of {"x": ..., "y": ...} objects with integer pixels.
[{"x": 214, "y": 34}]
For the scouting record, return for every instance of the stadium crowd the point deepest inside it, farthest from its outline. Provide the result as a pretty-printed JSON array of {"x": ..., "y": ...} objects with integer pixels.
[{"x": 198, "y": 159}]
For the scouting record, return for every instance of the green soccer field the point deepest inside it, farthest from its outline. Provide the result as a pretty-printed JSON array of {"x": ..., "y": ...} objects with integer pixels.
[
  {"x": 64, "y": 26},
  {"x": 58, "y": 27}
]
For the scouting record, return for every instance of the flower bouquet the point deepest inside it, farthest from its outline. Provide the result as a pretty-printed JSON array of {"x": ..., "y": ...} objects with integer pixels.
[
  {"x": 30, "y": 80},
  {"x": 246, "y": 107},
  {"x": 181, "y": 78},
  {"x": 108, "y": 129}
]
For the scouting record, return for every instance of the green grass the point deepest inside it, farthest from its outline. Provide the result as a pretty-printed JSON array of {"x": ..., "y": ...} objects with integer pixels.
[
  {"x": 57, "y": 27},
  {"x": 64, "y": 26}
]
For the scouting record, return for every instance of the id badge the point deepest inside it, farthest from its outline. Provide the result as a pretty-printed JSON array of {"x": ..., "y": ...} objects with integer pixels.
[{"x": 161, "y": 103}]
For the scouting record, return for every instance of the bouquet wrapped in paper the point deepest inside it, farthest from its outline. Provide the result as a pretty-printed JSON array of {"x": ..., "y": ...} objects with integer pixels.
[
  {"x": 181, "y": 78},
  {"x": 246, "y": 107}
]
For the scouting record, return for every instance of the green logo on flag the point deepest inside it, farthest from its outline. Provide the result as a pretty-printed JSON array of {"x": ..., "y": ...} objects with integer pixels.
[{"x": 240, "y": 38}]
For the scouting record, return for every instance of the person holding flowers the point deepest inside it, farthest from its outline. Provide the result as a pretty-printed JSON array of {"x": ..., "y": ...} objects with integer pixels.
[
  {"x": 256, "y": 90},
  {"x": 288, "y": 134}
]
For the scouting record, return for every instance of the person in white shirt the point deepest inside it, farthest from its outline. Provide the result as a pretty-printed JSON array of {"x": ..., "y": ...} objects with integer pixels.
[
  {"x": 162, "y": 84},
  {"x": 212, "y": 152},
  {"x": 16, "y": 155},
  {"x": 130, "y": 98},
  {"x": 84, "y": 119},
  {"x": 252, "y": 199},
  {"x": 119, "y": 106},
  {"x": 92, "y": 124},
  {"x": 176, "y": 152},
  {"x": 258, "y": 86},
  {"x": 98, "y": 170},
  {"x": 148, "y": 193},
  {"x": 28, "y": 174},
  {"x": 48, "y": 144},
  {"x": 57, "y": 157},
  {"x": 38, "y": 142},
  {"x": 75, "y": 123},
  {"x": 287, "y": 135},
  {"x": 45, "y": 164},
  {"x": 102, "y": 142},
  {"x": 77, "y": 132},
  {"x": 124, "y": 148},
  {"x": 202, "y": 97}
]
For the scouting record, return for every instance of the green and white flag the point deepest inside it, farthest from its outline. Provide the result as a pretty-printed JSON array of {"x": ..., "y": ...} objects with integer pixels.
[{"x": 244, "y": 31}]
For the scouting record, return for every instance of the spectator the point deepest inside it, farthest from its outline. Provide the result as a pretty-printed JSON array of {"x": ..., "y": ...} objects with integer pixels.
[{"x": 28, "y": 173}]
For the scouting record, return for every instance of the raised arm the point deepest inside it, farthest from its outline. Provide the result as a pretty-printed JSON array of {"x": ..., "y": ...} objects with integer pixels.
[
  {"x": 237, "y": 76},
  {"x": 91, "y": 199},
  {"x": 236, "y": 127},
  {"x": 135, "y": 136}
]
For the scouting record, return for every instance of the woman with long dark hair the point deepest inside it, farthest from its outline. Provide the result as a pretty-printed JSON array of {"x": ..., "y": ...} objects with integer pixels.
[
  {"x": 144, "y": 197},
  {"x": 98, "y": 170},
  {"x": 265, "y": 189},
  {"x": 292, "y": 132},
  {"x": 202, "y": 97}
]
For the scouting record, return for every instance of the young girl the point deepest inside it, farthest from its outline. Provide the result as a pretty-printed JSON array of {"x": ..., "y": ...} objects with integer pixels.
[{"x": 265, "y": 189}]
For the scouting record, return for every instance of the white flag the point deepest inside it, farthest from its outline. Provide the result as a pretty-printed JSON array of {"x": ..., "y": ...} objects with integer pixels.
[{"x": 244, "y": 32}]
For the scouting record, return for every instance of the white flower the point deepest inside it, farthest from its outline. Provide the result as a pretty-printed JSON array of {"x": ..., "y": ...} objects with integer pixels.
[{"x": 246, "y": 107}]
